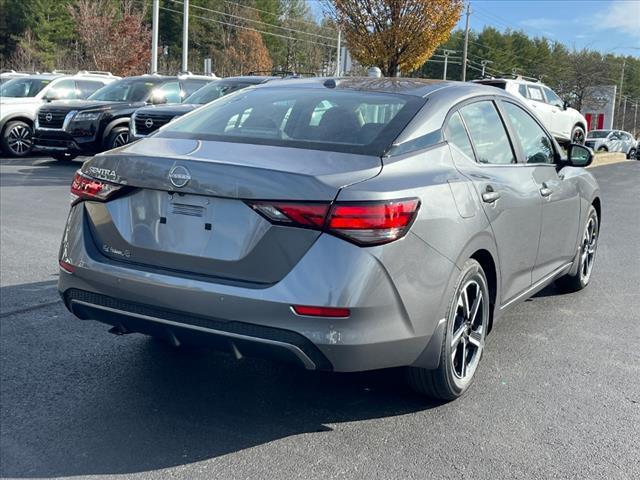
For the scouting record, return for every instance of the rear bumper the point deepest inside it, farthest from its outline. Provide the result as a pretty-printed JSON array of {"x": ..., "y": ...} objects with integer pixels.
[{"x": 396, "y": 294}]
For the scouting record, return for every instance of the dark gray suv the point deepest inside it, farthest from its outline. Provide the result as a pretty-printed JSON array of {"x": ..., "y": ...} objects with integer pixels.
[{"x": 340, "y": 224}]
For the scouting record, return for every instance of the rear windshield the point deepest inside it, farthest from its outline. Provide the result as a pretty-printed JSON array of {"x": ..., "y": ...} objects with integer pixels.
[
  {"x": 327, "y": 119},
  {"x": 23, "y": 87},
  {"x": 125, "y": 91},
  {"x": 215, "y": 90},
  {"x": 598, "y": 134}
]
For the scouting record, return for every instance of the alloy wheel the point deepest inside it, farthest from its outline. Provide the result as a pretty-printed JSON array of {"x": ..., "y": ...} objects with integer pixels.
[
  {"x": 19, "y": 140},
  {"x": 468, "y": 330},
  {"x": 588, "y": 249},
  {"x": 121, "y": 139}
]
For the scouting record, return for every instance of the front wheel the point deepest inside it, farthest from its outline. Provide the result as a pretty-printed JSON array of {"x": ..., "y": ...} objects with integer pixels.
[
  {"x": 603, "y": 149},
  {"x": 17, "y": 139},
  {"x": 572, "y": 282},
  {"x": 117, "y": 138},
  {"x": 463, "y": 344}
]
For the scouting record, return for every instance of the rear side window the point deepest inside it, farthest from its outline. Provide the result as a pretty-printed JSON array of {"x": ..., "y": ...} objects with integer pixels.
[
  {"x": 87, "y": 87},
  {"x": 522, "y": 89},
  {"x": 488, "y": 133},
  {"x": 457, "y": 135},
  {"x": 324, "y": 119},
  {"x": 536, "y": 145}
]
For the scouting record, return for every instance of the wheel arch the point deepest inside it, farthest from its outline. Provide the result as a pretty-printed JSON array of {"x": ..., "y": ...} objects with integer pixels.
[
  {"x": 16, "y": 118},
  {"x": 488, "y": 264},
  {"x": 598, "y": 206},
  {"x": 118, "y": 122}
]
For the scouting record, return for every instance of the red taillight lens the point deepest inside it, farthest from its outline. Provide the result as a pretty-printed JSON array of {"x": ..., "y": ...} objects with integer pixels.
[
  {"x": 84, "y": 187},
  {"x": 301, "y": 214},
  {"x": 309, "y": 311},
  {"x": 366, "y": 223}
]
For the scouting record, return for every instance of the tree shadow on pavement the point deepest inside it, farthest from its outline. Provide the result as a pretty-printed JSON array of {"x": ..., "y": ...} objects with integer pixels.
[{"x": 78, "y": 401}]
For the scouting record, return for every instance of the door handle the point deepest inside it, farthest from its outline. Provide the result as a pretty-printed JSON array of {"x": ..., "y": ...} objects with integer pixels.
[
  {"x": 545, "y": 191},
  {"x": 490, "y": 196}
]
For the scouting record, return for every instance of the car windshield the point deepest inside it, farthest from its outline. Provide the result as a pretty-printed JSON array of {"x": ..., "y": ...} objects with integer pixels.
[
  {"x": 215, "y": 90},
  {"x": 598, "y": 134},
  {"x": 23, "y": 87},
  {"x": 125, "y": 91},
  {"x": 328, "y": 119}
]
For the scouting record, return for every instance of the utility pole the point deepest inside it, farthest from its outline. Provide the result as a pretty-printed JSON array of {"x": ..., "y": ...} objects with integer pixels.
[
  {"x": 624, "y": 112},
  {"x": 624, "y": 63},
  {"x": 446, "y": 59},
  {"x": 338, "y": 59},
  {"x": 154, "y": 36},
  {"x": 635, "y": 122},
  {"x": 185, "y": 36},
  {"x": 484, "y": 64},
  {"x": 466, "y": 46}
]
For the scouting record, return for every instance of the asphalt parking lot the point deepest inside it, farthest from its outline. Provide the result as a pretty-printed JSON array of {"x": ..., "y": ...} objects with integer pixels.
[{"x": 557, "y": 395}]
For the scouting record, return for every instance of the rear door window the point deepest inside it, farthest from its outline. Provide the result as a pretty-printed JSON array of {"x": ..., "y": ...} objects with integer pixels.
[
  {"x": 535, "y": 93},
  {"x": 63, "y": 90},
  {"x": 488, "y": 133}
]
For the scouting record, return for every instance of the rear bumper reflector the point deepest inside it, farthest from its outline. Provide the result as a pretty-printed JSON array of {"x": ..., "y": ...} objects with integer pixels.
[{"x": 310, "y": 311}]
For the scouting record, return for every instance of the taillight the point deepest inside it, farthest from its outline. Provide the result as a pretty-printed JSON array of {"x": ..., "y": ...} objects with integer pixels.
[
  {"x": 363, "y": 223},
  {"x": 84, "y": 187}
]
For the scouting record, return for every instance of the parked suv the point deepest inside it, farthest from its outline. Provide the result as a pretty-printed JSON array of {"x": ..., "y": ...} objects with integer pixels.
[
  {"x": 66, "y": 130},
  {"x": 21, "y": 97},
  {"x": 566, "y": 124},
  {"x": 612, "y": 141},
  {"x": 147, "y": 120}
]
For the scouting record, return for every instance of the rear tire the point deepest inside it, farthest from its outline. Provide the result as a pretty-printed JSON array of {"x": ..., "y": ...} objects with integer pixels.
[
  {"x": 632, "y": 154},
  {"x": 586, "y": 256},
  {"x": 17, "y": 139},
  {"x": 463, "y": 344},
  {"x": 603, "y": 149},
  {"x": 577, "y": 135},
  {"x": 118, "y": 137}
]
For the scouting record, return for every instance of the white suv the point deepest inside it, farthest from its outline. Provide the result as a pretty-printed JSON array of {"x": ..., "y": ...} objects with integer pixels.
[
  {"x": 21, "y": 97},
  {"x": 566, "y": 124}
]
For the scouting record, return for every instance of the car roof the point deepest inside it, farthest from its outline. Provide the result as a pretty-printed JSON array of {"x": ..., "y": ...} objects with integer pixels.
[
  {"x": 418, "y": 87},
  {"x": 256, "y": 79}
]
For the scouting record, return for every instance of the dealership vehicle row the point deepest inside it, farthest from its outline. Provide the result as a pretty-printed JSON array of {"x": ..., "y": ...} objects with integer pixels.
[{"x": 75, "y": 119}]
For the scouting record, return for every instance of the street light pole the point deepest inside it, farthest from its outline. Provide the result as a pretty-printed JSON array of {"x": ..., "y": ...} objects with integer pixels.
[
  {"x": 624, "y": 63},
  {"x": 484, "y": 64},
  {"x": 338, "y": 59},
  {"x": 185, "y": 36},
  {"x": 466, "y": 45},
  {"x": 446, "y": 59},
  {"x": 154, "y": 36}
]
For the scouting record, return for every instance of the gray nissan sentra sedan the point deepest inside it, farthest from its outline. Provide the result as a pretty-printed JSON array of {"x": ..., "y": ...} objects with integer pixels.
[{"x": 340, "y": 224}]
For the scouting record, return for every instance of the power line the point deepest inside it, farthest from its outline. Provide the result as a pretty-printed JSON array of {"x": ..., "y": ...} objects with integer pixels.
[
  {"x": 251, "y": 28},
  {"x": 260, "y": 22},
  {"x": 308, "y": 22}
]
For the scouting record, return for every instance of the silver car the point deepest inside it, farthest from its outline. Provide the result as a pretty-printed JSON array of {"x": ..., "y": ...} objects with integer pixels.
[
  {"x": 339, "y": 224},
  {"x": 612, "y": 141}
]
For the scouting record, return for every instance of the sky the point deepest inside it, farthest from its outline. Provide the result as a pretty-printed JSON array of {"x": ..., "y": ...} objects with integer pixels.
[{"x": 609, "y": 26}]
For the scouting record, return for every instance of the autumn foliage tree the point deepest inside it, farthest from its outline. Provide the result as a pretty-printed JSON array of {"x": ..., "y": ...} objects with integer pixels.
[
  {"x": 113, "y": 36},
  {"x": 396, "y": 35},
  {"x": 247, "y": 53}
]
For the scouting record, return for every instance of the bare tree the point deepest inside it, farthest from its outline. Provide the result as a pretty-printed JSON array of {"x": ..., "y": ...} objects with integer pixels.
[{"x": 113, "y": 39}]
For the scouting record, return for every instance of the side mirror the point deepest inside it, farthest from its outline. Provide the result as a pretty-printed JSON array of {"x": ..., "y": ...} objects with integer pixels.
[
  {"x": 51, "y": 96},
  {"x": 579, "y": 155},
  {"x": 565, "y": 105}
]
